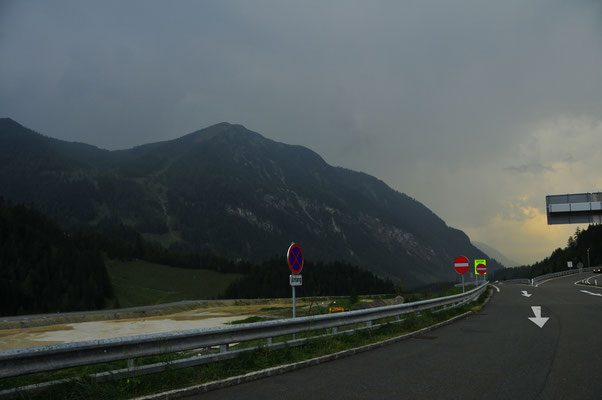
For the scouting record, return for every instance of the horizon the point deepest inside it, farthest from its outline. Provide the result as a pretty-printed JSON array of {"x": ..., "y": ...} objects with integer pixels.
[{"x": 478, "y": 244}]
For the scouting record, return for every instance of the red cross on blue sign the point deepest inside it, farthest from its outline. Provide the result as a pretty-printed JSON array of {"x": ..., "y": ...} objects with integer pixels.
[{"x": 294, "y": 257}]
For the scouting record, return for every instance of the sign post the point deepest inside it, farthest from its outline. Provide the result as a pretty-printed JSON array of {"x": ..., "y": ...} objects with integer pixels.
[
  {"x": 294, "y": 257},
  {"x": 461, "y": 266}
]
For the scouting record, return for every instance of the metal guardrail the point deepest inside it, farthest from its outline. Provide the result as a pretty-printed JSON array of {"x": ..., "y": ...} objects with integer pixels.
[
  {"x": 60, "y": 356},
  {"x": 520, "y": 281},
  {"x": 545, "y": 277},
  {"x": 559, "y": 274}
]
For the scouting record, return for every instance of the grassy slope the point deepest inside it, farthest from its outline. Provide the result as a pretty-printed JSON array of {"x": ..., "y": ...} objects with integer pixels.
[{"x": 138, "y": 283}]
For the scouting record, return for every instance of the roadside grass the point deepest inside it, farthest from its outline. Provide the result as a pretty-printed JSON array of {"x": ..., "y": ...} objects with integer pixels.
[
  {"x": 141, "y": 283},
  {"x": 425, "y": 295},
  {"x": 84, "y": 387}
]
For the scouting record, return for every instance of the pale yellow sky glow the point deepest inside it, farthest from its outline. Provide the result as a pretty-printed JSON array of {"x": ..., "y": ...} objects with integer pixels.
[{"x": 562, "y": 156}]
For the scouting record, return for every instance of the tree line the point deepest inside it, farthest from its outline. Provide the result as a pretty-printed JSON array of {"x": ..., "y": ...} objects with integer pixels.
[
  {"x": 45, "y": 269},
  {"x": 575, "y": 251},
  {"x": 270, "y": 279}
]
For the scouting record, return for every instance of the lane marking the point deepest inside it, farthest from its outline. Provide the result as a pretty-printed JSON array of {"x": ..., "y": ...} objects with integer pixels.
[
  {"x": 593, "y": 294},
  {"x": 547, "y": 280},
  {"x": 583, "y": 280},
  {"x": 496, "y": 288},
  {"x": 538, "y": 319}
]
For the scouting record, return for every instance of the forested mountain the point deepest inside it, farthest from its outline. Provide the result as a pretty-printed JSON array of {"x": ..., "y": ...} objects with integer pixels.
[
  {"x": 45, "y": 269},
  {"x": 230, "y": 191},
  {"x": 576, "y": 251}
]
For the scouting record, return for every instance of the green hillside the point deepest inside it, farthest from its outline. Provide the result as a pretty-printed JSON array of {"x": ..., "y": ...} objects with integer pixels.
[{"x": 139, "y": 283}]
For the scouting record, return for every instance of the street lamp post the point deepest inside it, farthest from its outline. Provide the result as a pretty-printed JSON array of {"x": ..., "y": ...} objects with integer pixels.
[{"x": 588, "y": 263}]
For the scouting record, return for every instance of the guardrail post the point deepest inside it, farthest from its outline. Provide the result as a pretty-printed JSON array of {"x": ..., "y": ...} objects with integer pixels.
[
  {"x": 397, "y": 318},
  {"x": 132, "y": 364},
  {"x": 335, "y": 330},
  {"x": 368, "y": 324},
  {"x": 268, "y": 341},
  {"x": 223, "y": 348}
]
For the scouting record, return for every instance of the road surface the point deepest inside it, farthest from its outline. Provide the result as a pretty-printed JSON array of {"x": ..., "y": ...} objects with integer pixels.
[{"x": 497, "y": 353}]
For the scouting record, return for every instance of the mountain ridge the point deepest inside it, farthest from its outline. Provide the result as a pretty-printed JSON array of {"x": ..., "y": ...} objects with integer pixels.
[
  {"x": 229, "y": 190},
  {"x": 494, "y": 253}
]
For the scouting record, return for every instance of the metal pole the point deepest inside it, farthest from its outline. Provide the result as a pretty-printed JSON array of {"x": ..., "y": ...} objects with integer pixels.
[
  {"x": 462, "y": 283},
  {"x": 294, "y": 335},
  {"x": 589, "y": 265},
  {"x": 293, "y": 302}
]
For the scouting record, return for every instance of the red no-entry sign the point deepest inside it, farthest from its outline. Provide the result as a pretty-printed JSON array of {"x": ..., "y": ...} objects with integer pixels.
[
  {"x": 481, "y": 269},
  {"x": 461, "y": 265}
]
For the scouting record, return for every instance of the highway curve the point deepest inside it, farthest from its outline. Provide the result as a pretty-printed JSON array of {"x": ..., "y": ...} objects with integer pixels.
[{"x": 497, "y": 353}]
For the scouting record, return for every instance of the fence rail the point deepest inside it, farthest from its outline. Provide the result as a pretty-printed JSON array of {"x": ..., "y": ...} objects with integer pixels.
[
  {"x": 60, "y": 356},
  {"x": 545, "y": 277},
  {"x": 542, "y": 278},
  {"x": 511, "y": 281}
]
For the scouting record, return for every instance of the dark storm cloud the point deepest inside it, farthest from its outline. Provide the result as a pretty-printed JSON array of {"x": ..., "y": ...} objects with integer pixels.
[{"x": 427, "y": 95}]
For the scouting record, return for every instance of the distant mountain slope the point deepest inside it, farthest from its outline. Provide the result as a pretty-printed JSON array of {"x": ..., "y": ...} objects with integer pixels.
[
  {"x": 234, "y": 192},
  {"x": 493, "y": 253}
]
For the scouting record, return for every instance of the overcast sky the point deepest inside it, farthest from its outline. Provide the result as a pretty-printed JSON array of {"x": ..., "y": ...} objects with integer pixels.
[{"x": 478, "y": 109}]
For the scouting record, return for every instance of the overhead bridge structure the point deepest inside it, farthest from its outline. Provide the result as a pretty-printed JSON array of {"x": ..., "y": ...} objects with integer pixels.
[{"x": 578, "y": 208}]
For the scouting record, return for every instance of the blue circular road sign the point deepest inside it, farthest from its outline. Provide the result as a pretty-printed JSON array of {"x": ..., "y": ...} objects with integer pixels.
[{"x": 294, "y": 257}]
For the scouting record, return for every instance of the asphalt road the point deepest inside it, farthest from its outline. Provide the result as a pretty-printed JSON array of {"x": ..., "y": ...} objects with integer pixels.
[{"x": 495, "y": 354}]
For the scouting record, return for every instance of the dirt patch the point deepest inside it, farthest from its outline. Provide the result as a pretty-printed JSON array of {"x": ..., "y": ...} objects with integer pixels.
[
  {"x": 37, "y": 329},
  {"x": 50, "y": 329},
  {"x": 65, "y": 330},
  {"x": 84, "y": 331}
]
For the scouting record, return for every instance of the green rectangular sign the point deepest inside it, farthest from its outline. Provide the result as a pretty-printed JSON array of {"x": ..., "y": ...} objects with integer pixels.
[{"x": 476, "y": 263}]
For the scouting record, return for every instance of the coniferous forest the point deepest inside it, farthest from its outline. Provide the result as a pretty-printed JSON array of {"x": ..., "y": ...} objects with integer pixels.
[
  {"x": 45, "y": 269},
  {"x": 576, "y": 250}
]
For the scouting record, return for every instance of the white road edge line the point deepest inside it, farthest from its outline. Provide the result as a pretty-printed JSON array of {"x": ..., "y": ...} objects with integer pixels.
[
  {"x": 591, "y": 293},
  {"x": 551, "y": 279},
  {"x": 496, "y": 288},
  {"x": 584, "y": 279}
]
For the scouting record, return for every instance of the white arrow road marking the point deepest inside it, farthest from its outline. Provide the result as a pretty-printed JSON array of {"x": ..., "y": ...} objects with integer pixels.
[
  {"x": 538, "y": 319},
  {"x": 593, "y": 294},
  {"x": 524, "y": 292}
]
